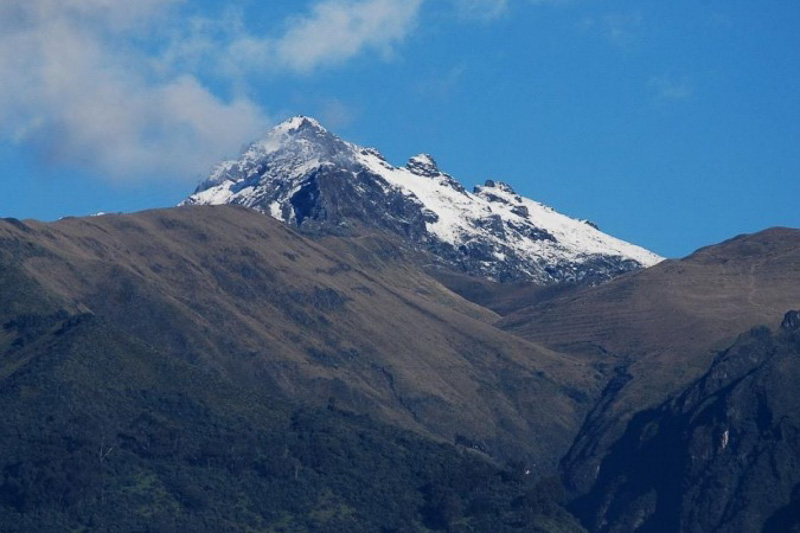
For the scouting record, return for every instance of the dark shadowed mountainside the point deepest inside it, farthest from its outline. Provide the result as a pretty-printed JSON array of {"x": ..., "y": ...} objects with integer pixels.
[
  {"x": 722, "y": 456},
  {"x": 657, "y": 330}
]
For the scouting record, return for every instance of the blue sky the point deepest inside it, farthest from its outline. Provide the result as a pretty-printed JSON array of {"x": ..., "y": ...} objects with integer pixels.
[{"x": 673, "y": 125}]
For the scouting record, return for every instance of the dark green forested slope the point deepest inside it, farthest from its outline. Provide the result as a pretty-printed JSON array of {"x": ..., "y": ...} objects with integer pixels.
[{"x": 103, "y": 432}]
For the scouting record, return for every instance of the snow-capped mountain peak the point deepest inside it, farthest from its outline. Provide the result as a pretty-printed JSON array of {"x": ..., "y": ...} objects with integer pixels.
[
  {"x": 303, "y": 175},
  {"x": 299, "y": 122}
]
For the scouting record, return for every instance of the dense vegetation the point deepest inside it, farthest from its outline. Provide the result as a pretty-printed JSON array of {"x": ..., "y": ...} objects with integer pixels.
[{"x": 104, "y": 433}]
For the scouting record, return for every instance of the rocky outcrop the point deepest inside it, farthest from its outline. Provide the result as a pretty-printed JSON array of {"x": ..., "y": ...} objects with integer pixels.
[{"x": 721, "y": 456}]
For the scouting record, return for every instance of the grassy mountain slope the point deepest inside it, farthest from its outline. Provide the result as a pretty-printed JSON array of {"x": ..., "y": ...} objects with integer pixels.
[
  {"x": 247, "y": 299},
  {"x": 102, "y": 432},
  {"x": 657, "y": 330}
]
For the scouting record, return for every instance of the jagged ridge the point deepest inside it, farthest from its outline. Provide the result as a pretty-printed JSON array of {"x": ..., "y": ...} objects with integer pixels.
[{"x": 305, "y": 176}]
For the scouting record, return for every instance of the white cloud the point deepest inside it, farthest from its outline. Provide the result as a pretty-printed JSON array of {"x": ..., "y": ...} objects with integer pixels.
[
  {"x": 329, "y": 34},
  {"x": 623, "y": 29},
  {"x": 78, "y": 90},
  {"x": 337, "y": 30},
  {"x": 91, "y": 83},
  {"x": 117, "y": 86}
]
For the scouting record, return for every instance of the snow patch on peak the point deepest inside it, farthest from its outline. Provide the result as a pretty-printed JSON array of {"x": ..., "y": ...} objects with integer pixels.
[{"x": 299, "y": 122}]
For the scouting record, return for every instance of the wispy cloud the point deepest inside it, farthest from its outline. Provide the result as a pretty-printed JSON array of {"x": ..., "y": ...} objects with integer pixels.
[
  {"x": 331, "y": 33},
  {"x": 666, "y": 87},
  {"x": 115, "y": 87},
  {"x": 123, "y": 88},
  {"x": 78, "y": 90},
  {"x": 337, "y": 30}
]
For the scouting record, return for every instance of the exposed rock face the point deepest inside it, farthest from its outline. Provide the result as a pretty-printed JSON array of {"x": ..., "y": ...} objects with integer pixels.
[
  {"x": 722, "y": 456},
  {"x": 305, "y": 176},
  {"x": 656, "y": 331},
  {"x": 791, "y": 321}
]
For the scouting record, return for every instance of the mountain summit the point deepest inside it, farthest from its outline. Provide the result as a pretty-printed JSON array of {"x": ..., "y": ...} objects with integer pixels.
[{"x": 307, "y": 177}]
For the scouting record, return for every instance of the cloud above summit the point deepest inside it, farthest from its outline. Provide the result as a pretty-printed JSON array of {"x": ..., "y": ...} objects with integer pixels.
[
  {"x": 78, "y": 91},
  {"x": 158, "y": 89},
  {"x": 336, "y": 31},
  {"x": 327, "y": 35},
  {"x": 106, "y": 86}
]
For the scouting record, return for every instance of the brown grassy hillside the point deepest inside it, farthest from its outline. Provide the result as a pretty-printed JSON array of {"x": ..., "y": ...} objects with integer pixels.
[
  {"x": 662, "y": 326},
  {"x": 246, "y": 298}
]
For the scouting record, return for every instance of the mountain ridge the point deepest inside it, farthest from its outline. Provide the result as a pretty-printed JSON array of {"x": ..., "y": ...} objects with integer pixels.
[{"x": 305, "y": 176}]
